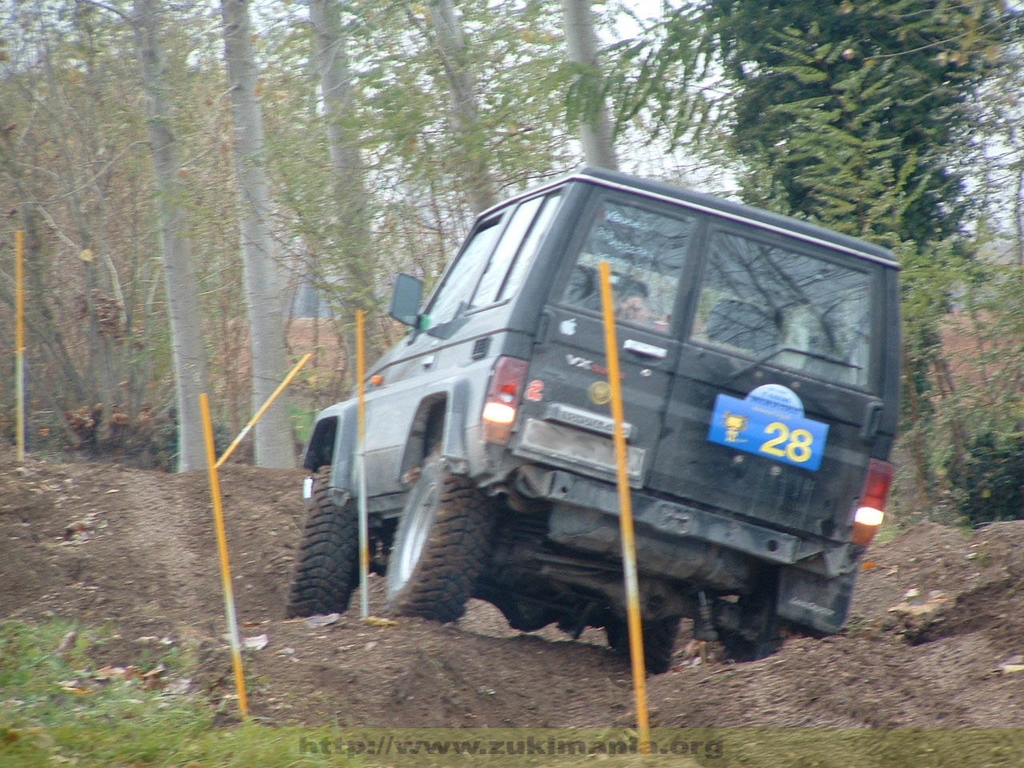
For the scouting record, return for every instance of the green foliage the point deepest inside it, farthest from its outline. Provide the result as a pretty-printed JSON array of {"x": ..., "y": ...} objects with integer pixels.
[
  {"x": 963, "y": 433},
  {"x": 668, "y": 78},
  {"x": 988, "y": 476},
  {"x": 855, "y": 114},
  {"x": 412, "y": 157},
  {"x": 832, "y": 103}
]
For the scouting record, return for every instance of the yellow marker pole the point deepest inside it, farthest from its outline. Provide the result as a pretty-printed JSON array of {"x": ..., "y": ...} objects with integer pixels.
[
  {"x": 222, "y": 550},
  {"x": 19, "y": 343},
  {"x": 263, "y": 408},
  {"x": 636, "y": 641},
  {"x": 364, "y": 524}
]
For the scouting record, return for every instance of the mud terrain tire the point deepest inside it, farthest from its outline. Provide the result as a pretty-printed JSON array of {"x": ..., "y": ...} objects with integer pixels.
[
  {"x": 441, "y": 546},
  {"x": 659, "y": 641},
  {"x": 327, "y": 567},
  {"x": 760, "y": 633}
]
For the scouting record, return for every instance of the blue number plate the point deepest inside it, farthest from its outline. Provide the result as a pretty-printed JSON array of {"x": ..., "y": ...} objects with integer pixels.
[{"x": 770, "y": 422}]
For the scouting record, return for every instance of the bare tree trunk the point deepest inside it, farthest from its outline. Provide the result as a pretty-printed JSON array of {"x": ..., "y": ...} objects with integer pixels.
[
  {"x": 190, "y": 378},
  {"x": 274, "y": 440},
  {"x": 343, "y": 150},
  {"x": 596, "y": 127},
  {"x": 1018, "y": 213},
  {"x": 469, "y": 139},
  {"x": 336, "y": 84}
]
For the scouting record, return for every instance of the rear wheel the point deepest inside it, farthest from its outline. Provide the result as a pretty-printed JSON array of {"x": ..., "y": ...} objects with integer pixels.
[
  {"x": 659, "y": 641},
  {"x": 441, "y": 545},
  {"x": 327, "y": 569},
  {"x": 760, "y": 629}
]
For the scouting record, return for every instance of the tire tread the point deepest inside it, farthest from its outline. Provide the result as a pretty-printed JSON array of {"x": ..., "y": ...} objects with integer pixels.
[
  {"x": 454, "y": 555},
  {"x": 326, "y": 570}
]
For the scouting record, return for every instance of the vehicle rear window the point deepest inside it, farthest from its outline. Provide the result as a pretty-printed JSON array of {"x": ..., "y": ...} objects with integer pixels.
[
  {"x": 787, "y": 307},
  {"x": 645, "y": 250}
]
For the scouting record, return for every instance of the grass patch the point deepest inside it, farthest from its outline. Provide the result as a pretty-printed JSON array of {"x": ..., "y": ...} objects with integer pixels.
[
  {"x": 58, "y": 708},
  {"x": 56, "y": 703}
]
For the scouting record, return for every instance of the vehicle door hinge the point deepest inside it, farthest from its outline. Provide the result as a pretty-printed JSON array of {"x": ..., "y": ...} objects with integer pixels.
[{"x": 542, "y": 328}]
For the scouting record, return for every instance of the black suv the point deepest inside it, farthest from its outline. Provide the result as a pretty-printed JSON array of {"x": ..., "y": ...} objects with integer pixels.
[{"x": 760, "y": 362}]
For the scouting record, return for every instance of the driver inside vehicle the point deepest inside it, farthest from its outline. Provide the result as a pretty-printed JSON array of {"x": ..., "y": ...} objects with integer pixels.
[
  {"x": 632, "y": 300},
  {"x": 633, "y": 309}
]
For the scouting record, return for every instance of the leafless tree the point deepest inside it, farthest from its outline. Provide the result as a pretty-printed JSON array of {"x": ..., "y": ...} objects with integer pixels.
[
  {"x": 596, "y": 126},
  {"x": 179, "y": 274},
  {"x": 274, "y": 441}
]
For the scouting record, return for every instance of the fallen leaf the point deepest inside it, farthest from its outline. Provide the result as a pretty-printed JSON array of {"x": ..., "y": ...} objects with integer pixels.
[
  {"x": 109, "y": 673},
  {"x": 154, "y": 680},
  {"x": 257, "y": 643},
  {"x": 67, "y": 643},
  {"x": 178, "y": 687},
  {"x": 377, "y": 621},
  {"x": 322, "y": 620},
  {"x": 920, "y": 609}
]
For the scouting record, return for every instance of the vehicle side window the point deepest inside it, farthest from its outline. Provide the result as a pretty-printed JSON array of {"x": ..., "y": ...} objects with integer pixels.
[
  {"x": 530, "y": 246},
  {"x": 645, "y": 251},
  {"x": 790, "y": 308},
  {"x": 494, "y": 260},
  {"x": 454, "y": 294},
  {"x": 506, "y": 252}
]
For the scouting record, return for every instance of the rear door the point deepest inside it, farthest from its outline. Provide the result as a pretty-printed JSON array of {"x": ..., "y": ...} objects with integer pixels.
[
  {"x": 775, "y": 407},
  {"x": 566, "y": 404}
]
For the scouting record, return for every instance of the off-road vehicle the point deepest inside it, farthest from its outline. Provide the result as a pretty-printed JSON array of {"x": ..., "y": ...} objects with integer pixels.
[{"x": 760, "y": 374}]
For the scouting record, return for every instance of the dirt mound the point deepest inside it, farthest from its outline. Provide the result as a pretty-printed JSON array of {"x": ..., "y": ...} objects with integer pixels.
[{"x": 934, "y": 638}]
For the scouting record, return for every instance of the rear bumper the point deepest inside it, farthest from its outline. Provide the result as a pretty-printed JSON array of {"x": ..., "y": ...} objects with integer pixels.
[{"x": 706, "y": 549}]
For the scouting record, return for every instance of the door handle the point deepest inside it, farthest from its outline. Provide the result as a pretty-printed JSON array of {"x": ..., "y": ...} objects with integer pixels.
[{"x": 645, "y": 349}]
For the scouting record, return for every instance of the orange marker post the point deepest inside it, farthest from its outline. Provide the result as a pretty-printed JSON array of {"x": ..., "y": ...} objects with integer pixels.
[
  {"x": 636, "y": 641},
  {"x": 364, "y": 524},
  {"x": 263, "y": 408},
  {"x": 19, "y": 343},
  {"x": 222, "y": 551}
]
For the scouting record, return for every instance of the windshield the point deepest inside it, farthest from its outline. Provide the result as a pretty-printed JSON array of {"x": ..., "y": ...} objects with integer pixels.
[{"x": 787, "y": 308}]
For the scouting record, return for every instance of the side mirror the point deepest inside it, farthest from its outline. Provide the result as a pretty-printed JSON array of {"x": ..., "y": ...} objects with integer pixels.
[{"x": 405, "y": 299}]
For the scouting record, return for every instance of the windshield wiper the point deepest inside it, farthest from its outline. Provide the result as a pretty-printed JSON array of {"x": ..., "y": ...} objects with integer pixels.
[{"x": 805, "y": 352}]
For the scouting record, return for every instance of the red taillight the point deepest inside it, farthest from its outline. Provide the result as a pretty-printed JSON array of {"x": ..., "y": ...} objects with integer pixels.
[
  {"x": 871, "y": 508},
  {"x": 503, "y": 396}
]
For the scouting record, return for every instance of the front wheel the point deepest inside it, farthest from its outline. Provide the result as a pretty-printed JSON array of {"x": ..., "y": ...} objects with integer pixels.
[
  {"x": 441, "y": 545},
  {"x": 327, "y": 568}
]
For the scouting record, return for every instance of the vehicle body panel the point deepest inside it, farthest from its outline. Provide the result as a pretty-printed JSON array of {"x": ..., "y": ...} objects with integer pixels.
[{"x": 760, "y": 374}]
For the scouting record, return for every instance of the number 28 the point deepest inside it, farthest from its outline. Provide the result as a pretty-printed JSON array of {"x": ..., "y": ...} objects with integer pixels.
[{"x": 794, "y": 445}]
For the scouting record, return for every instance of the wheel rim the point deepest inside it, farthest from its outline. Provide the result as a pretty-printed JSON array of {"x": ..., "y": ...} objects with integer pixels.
[{"x": 419, "y": 524}]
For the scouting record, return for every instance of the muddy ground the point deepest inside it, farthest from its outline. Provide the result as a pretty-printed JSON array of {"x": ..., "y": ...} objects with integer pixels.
[{"x": 936, "y": 634}]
